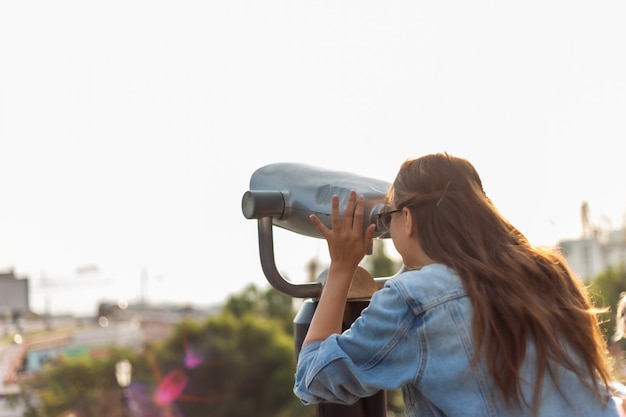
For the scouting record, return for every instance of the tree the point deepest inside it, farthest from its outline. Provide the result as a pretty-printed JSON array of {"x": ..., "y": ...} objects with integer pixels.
[
  {"x": 381, "y": 265},
  {"x": 83, "y": 387},
  {"x": 270, "y": 304},
  {"x": 605, "y": 290},
  {"x": 246, "y": 367}
]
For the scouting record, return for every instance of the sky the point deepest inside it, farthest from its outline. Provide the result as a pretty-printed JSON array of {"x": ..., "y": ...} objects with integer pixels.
[{"x": 129, "y": 130}]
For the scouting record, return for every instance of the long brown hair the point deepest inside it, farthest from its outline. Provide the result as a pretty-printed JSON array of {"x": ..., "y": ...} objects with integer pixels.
[{"x": 519, "y": 293}]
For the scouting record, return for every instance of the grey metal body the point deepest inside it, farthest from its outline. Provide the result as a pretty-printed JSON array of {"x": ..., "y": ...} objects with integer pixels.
[{"x": 307, "y": 190}]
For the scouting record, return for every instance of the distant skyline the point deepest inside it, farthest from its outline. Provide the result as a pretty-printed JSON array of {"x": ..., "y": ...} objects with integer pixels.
[{"x": 129, "y": 131}]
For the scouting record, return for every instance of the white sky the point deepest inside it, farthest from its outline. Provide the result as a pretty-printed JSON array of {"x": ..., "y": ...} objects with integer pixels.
[{"x": 129, "y": 129}]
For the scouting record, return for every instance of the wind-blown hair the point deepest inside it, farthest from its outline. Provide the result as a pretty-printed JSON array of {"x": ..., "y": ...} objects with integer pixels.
[
  {"x": 620, "y": 318},
  {"x": 519, "y": 293}
]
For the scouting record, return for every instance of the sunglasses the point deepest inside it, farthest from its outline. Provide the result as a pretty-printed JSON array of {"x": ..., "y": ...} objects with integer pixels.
[{"x": 383, "y": 221}]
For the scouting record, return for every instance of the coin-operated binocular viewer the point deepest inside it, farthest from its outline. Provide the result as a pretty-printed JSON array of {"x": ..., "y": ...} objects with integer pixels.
[{"x": 285, "y": 195}]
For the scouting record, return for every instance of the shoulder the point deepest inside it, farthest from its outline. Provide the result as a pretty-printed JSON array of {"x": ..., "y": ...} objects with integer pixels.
[
  {"x": 434, "y": 277},
  {"x": 432, "y": 284}
]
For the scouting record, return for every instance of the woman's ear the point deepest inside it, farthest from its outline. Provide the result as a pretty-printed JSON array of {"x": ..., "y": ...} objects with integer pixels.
[{"x": 408, "y": 221}]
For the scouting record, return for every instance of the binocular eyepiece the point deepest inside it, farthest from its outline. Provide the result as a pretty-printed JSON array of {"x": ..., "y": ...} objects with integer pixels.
[{"x": 290, "y": 192}]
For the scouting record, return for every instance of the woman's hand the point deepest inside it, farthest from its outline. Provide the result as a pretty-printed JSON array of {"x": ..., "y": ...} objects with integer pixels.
[{"x": 347, "y": 242}]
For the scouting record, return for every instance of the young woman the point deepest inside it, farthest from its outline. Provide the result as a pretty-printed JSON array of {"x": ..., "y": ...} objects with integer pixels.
[{"x": 479, "y": 324}]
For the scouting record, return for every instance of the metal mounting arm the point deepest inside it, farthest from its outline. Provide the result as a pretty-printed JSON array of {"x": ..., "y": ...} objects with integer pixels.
[{"x": 266, "y": 250}]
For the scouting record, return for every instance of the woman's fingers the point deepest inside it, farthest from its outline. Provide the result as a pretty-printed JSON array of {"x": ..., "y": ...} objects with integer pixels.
[
  {"x": 318, "y": 223},
  {"x": 348, "y": 241},
  {"x": 335, "y": 215},
  {"x": 348, "y": 217},
  {"x": 359, "y": 211},
  {"x": 350, "y": 222}
]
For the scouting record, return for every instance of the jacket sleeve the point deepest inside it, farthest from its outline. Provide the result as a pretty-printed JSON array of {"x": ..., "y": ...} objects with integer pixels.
[{"x": 381, "y": 350}]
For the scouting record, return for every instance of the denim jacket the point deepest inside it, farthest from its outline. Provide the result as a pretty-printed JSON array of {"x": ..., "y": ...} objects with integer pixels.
[{"x": 416, "y": 334}]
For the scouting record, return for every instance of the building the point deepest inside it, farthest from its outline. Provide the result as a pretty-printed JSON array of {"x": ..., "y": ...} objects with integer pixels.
[
  {"x": 13, "y": 296},
  {"x": 595, "y": 252}
]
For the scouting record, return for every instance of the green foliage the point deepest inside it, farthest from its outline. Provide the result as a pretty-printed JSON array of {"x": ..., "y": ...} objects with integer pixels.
[
  {"x": 270, "y": 304},
  {"x": 605, "y": 290},
  {"x": 381, "y": 264},
  {"x": 247, "y": 370},
  {"x": 76, "y": 385}
]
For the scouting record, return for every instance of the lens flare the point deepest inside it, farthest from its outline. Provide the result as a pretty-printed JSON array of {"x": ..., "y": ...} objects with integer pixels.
[
  {"x": 193, "y": 359},
  {"x": 170, "y": 387}
]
